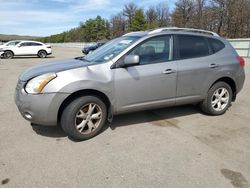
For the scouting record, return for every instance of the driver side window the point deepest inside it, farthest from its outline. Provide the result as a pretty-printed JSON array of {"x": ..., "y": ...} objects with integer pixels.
[{"x": 153, "y": 50}]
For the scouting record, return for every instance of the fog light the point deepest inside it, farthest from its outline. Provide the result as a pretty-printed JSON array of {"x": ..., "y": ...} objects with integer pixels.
[{"x": 27, "y": 115}]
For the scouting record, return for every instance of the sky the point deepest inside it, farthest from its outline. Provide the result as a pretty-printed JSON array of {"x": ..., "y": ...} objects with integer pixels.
[{"x": 47, "y": 17}]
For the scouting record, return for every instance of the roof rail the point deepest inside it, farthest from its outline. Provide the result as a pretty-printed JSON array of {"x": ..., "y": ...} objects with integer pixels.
[{"x": 183, "y": 29}]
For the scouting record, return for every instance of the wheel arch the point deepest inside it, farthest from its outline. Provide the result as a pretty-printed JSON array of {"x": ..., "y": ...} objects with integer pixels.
[
  {"x": 86, "y": 92},
  {"x": 230, "y": 82},
  {"x": 9, "y": 51}
]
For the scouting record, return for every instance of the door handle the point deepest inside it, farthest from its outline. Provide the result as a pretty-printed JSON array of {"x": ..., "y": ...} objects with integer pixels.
[
  {"x": 168, "y": 71},
  {"x": 213, "y": 65}
]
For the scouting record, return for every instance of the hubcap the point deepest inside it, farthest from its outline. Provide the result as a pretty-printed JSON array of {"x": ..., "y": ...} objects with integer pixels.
[
  {"x": 42, "y": 54},
  {"x": 220, "y": 99},
  {"x": 7, "y": 55},
  {"x": 88, "y": 118}
]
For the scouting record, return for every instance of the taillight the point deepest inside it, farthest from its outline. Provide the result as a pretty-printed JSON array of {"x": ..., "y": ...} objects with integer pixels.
[{"x": 241, "y": 61}]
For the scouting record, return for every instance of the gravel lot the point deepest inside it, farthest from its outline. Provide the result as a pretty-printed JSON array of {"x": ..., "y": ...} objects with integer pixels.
[{"x": 172, "y": 147}]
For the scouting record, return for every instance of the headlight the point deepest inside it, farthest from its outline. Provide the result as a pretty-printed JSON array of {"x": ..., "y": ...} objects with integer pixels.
[{"x": 35, "y": 85}]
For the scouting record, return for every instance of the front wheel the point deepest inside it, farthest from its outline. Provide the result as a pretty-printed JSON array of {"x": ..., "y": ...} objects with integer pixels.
[
  {"x": 218, "y": 99},
  {"x": 8, "y": 55},
  {"x": 84, "y": 117}
]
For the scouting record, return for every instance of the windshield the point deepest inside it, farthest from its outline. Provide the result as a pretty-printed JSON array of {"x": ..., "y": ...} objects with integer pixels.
[
  {"x": 111, "y": 49},
  {"x": 12, "y": 43}
]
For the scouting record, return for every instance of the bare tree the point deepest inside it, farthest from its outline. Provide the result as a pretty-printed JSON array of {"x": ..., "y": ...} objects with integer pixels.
[
  {"x": 151, "y": 17},
  {"x": 163, "y": 15},
  {"x": 229, "y": 18},
  {"x": 200, "y": 6},
  {"x": 129, "y": 12},
  {"x": 183, "y": 13},
  {"x": 117, "y": 25}
]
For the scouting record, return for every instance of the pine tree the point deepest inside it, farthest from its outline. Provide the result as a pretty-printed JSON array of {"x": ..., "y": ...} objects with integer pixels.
[{"x": 138, "y": 22}]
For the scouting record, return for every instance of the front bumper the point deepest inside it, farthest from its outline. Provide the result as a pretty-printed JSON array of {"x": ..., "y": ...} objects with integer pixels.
[
  {"x": 39, "y": 109},
  {"x": 1, "y": 53},
  {"x": 49, "y": 52}
]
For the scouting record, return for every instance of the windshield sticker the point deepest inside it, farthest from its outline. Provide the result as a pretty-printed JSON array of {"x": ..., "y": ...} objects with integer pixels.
[
  {"x": 125, "y": 41},
  {"x": 108, "y": 57}
]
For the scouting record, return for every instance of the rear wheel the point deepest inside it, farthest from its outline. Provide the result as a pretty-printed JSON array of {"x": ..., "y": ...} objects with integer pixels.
[
  {"x": 84, "y": 117},
  {"x": 42, "y": 54},
  {"x": 8, "y": 55},
  {"x": 218, "y": 99}
]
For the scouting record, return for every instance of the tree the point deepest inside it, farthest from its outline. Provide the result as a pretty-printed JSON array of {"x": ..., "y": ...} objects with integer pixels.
[
  {"x": 163, "y": 15},
  {"x": 95, "y": 29},
  {"x": 229, "y": 18},
  {"x": 183, "y": 13},
  {"x": 200, "y": 6},
  {"x": 129, "y": 12},
  {"x": 117, "y": 25},
  {"x": 138, "y": 22},
  {"x": 151, "y": 18}
]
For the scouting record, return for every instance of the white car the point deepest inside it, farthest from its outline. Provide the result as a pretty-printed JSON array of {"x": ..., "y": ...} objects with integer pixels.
[{"x": 25, "y": 48}]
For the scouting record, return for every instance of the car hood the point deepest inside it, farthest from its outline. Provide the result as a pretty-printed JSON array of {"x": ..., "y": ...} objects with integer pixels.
[
  {"x": 2, "y": 46},
  {"x": 6, "y": 47},
  {"x": 56, "y": 66}
]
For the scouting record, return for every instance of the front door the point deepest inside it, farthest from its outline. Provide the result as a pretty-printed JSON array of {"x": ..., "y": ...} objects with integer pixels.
[
  {"x": 23, "y": 49},
  {"x": 150, "y": 84}
]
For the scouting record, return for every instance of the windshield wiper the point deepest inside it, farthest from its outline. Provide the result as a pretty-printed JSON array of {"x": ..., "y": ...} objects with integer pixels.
[{"x": 82, "y": 59}]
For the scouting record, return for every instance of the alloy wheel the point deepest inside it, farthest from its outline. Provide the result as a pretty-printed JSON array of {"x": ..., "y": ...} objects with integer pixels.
[
  {"x": 88, "y": 118},
  {"x": 220, "y": 99}
]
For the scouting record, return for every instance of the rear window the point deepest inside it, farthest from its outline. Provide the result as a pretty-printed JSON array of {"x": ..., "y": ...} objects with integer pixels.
[
  {"x": 216, "y": 45},
  {"x": 34, "y": 44},
  {"x": 192, "y": 46}
]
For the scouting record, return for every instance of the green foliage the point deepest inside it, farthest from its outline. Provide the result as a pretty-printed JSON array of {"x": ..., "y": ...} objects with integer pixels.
[
  {"x": 95, "y": 29},
  {"x": 92, "y": 30},
  {"x": 6, "y": 38},
  {"x": 215, "y": 15},
  {"x": 138, "y": 22}
]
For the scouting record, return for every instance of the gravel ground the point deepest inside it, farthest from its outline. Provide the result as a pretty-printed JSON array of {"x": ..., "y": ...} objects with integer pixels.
[{"x": 172, "y": 147}]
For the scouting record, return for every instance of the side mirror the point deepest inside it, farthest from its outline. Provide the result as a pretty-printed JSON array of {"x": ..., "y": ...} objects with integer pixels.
[
  {"x": 131, "y": 60},
  {"x": 19, "y": 45}
]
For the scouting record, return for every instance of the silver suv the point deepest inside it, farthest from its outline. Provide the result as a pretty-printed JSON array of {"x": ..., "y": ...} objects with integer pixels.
[{"x": 138, "y": 71}]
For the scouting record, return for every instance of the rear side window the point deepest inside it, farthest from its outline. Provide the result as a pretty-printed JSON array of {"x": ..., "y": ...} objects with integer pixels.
[
  {"x": 216, "y": 45},
  {"x": 31, "y": 44},
  {"x": 192, "y": 46},
  {"x": 34, "y": 44}
]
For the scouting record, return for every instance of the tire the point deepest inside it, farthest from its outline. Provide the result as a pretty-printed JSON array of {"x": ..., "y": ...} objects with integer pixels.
[
  {"x": 42, "y": 54},
  {"x": 8, "y": 55},
  {"x": 218, "y": 99},
  {"x": 84, "y": 117}
]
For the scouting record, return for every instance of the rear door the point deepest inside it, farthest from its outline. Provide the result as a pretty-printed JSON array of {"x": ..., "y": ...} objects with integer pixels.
[
  {"x": 150, "y": 84},
  {"x": 34, "y": 48},
  {"x": 195, "y": 67}
]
